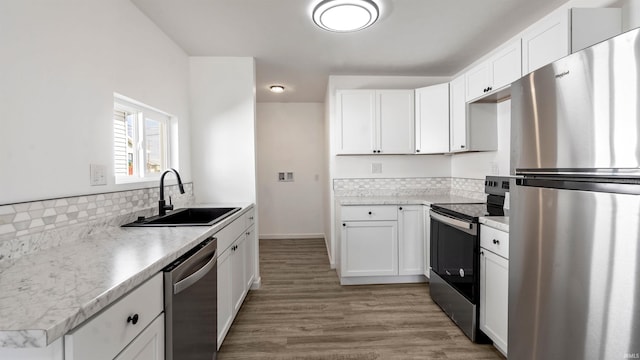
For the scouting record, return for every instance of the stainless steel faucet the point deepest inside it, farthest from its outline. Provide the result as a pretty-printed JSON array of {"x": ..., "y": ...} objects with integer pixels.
[{"x": 162, "y": 207}]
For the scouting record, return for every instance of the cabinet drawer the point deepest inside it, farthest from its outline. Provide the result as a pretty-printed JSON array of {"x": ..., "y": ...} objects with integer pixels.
[
  {"x": 367, "y": 213},
  {"x": 250, "y": 218},
  {"x": 494, "y": 240},
  {"x": 230, "y": 233},
  {"x": 105, "y": 335}
]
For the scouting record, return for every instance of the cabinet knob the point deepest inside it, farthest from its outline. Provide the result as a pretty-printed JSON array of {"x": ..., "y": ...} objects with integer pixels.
[
  {"x": 400, "y": 208},
  {"x": 482, "y": 253},
  {"x": 133, "y": 319},
  {"x": 343, "y": 224},
  {"x": 248, "y": 233},
  {"x": 417, "y": 150},
  {"x": 496, "y": 241},
  {"x": 374, "y": 151},
  {"x": 369, "y": 212},
  {"x": 462, "y": 146},
  {"x": 250, "y": 217}
]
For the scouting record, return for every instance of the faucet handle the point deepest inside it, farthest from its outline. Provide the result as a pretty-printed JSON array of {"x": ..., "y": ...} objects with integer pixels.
[{"x": 170, "y": 206}]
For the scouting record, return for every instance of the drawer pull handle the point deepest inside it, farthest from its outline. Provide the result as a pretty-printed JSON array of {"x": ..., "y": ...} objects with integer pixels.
[
  {"x": 369, "y": 212},
  {"x": 496, "y": 241},
  {"x": 250, "y": 217},
  {"x": 133, "y": 319}
]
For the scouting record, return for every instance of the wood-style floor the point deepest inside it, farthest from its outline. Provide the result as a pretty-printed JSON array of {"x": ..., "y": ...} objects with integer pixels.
[{"x": 302, "y": 312}]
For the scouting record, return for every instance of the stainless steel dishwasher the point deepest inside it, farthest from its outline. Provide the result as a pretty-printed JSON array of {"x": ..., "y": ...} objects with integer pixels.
[{"x": 190, "y": 298}]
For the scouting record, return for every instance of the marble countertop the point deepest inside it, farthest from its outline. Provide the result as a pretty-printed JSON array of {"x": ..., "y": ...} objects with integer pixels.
[
  {"x": 404, "y": 200},
  {"x": 496, "y": 222},
  {"x": 47, "y": 294}
]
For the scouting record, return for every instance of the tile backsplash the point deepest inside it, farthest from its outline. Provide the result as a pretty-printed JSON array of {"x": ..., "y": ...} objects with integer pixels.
[
  {"x": 33, "y": 226},
  {"x": 471, "y": 188}
]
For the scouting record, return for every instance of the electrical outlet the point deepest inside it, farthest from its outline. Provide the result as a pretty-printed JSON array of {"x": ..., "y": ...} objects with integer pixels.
[
  {"x": 281, "y": 176},
  {"x": 376, "y": 168},
  {"x": 97, "y": 175},
  {"x": 289, "y": 176}
]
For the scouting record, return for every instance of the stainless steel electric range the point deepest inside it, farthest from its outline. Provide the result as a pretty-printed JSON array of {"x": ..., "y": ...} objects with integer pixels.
[{"x": 455, "y": 262}]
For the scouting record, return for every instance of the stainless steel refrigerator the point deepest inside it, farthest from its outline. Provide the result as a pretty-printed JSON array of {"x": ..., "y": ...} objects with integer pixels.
[{"x": 574, "y": 258}]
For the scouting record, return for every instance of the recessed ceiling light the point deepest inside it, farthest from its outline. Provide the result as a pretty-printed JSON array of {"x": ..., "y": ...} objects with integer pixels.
[
  {"x": 277, "y": 89},
  {"x": 345, "y": 15}
]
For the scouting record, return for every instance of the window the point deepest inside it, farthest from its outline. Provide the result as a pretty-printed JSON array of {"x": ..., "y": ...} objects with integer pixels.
[{"x": 140, "y": 137}]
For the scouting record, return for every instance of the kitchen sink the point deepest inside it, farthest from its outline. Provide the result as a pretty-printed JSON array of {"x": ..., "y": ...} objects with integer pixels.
[{"x": 187, "y": 217}]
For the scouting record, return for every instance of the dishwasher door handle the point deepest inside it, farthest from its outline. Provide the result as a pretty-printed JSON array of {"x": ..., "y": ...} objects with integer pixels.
[{"x": 185, "y": 283}]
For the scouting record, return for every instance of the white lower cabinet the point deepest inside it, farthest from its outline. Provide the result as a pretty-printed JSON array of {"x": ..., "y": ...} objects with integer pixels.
[
  {"x": 381, "y": 244},
  {"x": 115, "y": 328},
  {"x": 236, "y": 269},
  {"x": 427, "y": 242},
  {"x": 149, "y": 345},
  {"x": 369, "y": 248},
  {"x": 225, "y": 305},
  {"x": 411, "y": 246},
  {"x": 494, "y": 289}
]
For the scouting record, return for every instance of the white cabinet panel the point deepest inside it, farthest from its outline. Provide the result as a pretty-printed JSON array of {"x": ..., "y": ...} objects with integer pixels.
[
  {"x": 238, "y": 278},
  {"x": 427, "y": 242},
  {"x": 105, "y": 335},
  {"x": 369, "y": 248},
  {"x": 369, "y": 212},
  {"x": 250, "y": 254},
  {"x": 499, "y": 70},
  {"x": 506, "y": 65},
  {"x": 494, "y": 297},
  {"x": 494, "y": 240},
  {"x": 225, "y": 303},
  {"x": 149, "y": 345},
  {"x": 458, "y": 108},
  {"x": 432, "y": 119},
  {"x": 395, "y": 121},
  {"x": 375, "y": 121},
  {"x": 478, "y": 80},
  {"x": 546, "y": 41},
  {"x": 357, "y": 117},
  {"x": 411, "y": 240}
]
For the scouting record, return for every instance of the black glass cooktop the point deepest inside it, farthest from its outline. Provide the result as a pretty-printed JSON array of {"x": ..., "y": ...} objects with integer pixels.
[{"x": 468, "y": 211}]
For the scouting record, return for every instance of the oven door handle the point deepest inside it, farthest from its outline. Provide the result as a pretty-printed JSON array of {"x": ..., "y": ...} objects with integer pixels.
[{"x": 466, "y": 226}]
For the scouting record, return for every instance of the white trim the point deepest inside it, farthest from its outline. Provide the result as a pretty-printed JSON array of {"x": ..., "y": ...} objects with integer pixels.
[
  {"x": 290, "y": 236},
  {"x": 368, "y": 280},
  {"x": 256, "y": 283}
]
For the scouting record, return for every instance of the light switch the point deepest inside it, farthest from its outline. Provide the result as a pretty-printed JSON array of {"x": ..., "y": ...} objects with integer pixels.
[{"x": 97, "y": 175}]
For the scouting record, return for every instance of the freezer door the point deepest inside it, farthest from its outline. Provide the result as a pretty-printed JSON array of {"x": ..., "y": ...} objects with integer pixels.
[
  {"x": 574, "y": 274},
  {"x": 580, "y": 114}
]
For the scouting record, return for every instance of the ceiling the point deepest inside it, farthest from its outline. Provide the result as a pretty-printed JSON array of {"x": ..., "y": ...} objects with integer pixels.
[{"x": 412, "y": 37}]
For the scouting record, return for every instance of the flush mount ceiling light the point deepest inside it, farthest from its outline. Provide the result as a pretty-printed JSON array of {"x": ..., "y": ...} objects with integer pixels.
[
  {"x": 277, "y": 89},
  {"x": 345, "y": 15}
]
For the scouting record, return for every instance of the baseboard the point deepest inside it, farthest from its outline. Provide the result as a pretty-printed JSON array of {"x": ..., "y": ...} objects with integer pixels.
[
  {"x": 256, "y": 283},
  {"x": 290, "y": 236}
]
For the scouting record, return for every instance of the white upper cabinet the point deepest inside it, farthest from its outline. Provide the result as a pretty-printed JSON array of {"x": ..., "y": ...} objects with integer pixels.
[
  {"x": 562, "y": 32},
  {"x": 501, "y": 69},
  {"x": 432, "y": 119},
  {"x": 356, "y": 114},
  {"x": 458, "y": 108},
  {"x": 375, "y": 121},
  {"x": 546, "y": 41}
]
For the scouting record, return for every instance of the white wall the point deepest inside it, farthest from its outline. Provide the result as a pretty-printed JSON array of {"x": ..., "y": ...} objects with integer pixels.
[
  {"x": 290, "y": 138},
  {"x": 223, "y": 112},
  {"x": 477, "y": 165},
  {"x": 61, "y": 61}
]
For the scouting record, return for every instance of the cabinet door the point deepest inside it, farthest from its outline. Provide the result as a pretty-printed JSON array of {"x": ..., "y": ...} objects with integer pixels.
[
  {"x": 546, "y": 41},
  {"x": 369, "y": 248},
  {"x": 395, "y": 121},
  {"x": 432, "y": 119},
  {"x": 356, "y": 114},
  {"x": 250, "y": 253},
  {"x": 458, "y": 114},
  {"x": 506, "y": 65},
  {"x": 149, "y": 345},
  {"x": 478, "y": 81},
  {"x": 494, "y": 296},
  {"x": 238, "y": 279},
  {"x": 225, "y": 304},
  {"x": 427, "y": 242},
  {"x": 411, "y": 240}
]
